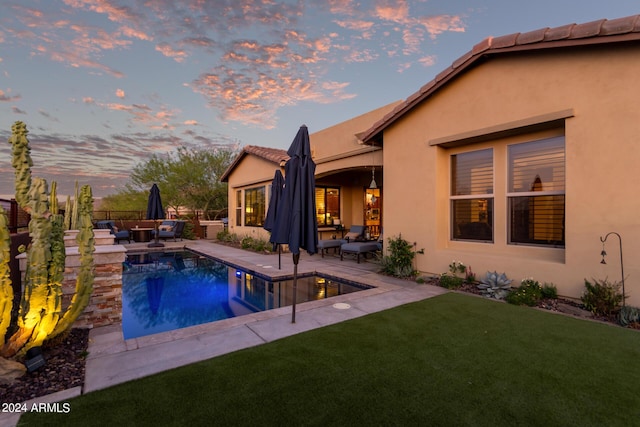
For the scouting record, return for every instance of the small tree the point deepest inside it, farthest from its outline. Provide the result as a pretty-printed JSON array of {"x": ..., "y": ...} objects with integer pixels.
[{"x": 187, "y": 178}]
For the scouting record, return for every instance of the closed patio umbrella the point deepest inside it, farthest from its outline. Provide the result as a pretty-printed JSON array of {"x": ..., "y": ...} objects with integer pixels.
[
  {"x": 277, "y": 187},
  {"x": 155, "y": 212},
  {"x": 296, "y": 223}
]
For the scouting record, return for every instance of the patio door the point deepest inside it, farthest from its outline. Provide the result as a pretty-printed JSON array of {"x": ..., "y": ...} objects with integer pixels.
[{"x": 373, "y": 211}]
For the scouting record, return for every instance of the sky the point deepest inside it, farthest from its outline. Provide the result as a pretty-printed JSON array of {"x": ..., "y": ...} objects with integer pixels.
[{"x": 104, "y": 84}]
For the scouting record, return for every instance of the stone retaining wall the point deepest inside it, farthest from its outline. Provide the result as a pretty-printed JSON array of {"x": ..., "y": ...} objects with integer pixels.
[{"x": 105, "y": 306}]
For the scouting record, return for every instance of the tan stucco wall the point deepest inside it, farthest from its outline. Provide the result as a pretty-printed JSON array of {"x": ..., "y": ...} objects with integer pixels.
[
  {"x": 251, "y": 172},
  {"x": 602, "y": 142}
]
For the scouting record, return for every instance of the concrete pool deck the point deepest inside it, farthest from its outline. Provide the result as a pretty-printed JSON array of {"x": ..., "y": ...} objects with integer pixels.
[{"x": 113, "y": 360}]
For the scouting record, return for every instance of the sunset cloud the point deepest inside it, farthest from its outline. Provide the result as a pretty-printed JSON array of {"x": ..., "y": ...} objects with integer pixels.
[
  {"x": 282, "y": 63},
  {"x": 5, "y": 97},
  {"x": 120, "y": 93}
]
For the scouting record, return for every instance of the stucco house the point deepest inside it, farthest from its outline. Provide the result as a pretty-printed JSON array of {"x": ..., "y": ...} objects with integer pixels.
[
  {"x": 521, "y": 155},
  {"x": 518, "y": 158},
  {"x": 344, "y": 171}
]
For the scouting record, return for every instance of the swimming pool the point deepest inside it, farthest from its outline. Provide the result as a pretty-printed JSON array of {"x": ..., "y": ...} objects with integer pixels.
[{"x": 163, "y": 291}]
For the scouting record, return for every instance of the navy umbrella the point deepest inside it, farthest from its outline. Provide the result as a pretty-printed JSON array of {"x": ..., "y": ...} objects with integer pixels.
[
  {"x": 155, "y": 212},
  {"x": 296, "y": 223},
  {"x": 277, "y": 186}
]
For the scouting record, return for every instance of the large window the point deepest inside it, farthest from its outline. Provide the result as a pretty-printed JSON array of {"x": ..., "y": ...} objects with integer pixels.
[
  {"x": 327, "y": 205},
  {"x": 472, "y": 195},
  {"x": 254, "y": 206},
  {"x": 536, "y": 192}
]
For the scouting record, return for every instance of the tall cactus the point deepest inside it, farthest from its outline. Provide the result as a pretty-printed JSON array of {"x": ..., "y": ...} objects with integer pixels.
[
  {"x": 39, "y": 316},
  {"x": 6, "y": 290},
  {"x": 86, "y": 246}
]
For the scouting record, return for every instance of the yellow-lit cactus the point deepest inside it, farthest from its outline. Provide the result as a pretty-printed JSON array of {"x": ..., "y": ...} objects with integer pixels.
[
  {"x": 39, "y": 316},
  {"x": 6, "y": 290}
]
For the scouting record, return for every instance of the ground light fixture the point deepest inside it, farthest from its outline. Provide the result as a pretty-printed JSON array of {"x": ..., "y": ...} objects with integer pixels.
[
  {"x": 604, "y": 253},
  {"x": 34, "y": 359}
]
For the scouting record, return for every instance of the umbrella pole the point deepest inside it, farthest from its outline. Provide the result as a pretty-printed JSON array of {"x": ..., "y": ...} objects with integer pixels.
[
  {"x": 296, "y": 258},
  {"x": 279, "y": 255},
  {"x": 156, "y": 243}
]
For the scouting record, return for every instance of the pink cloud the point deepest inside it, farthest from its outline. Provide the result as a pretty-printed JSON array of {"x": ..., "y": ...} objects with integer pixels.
[
  {"x": 120, "y": 93},
  {"x": 357, "y": 25},
  {"x": 178, "y": 55},
  {"x": 427, "y": 61},
  {"x": 436, "y": 25},
  {"x": 397, "y": 11},
  {"x": 255, "y": 99},
  {"x": 4, "y": 97}
]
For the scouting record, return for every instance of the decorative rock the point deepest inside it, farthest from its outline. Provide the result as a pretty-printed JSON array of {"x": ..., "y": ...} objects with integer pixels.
[
  {"x": 10, "y": 370},
  {"x": 575, "y": 311}
]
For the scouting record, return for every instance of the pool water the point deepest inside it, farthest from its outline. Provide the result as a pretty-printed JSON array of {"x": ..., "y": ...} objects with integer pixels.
[{"x": 163, "y": 291}]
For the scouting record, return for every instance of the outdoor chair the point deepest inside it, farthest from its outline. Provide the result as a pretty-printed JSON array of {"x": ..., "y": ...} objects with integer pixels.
[
  {"x": 117, "y": 234},
  {"x": 355, "y": 232},
  {"x": 361, "y": 248},
  {"x": 169, "y": 229}
]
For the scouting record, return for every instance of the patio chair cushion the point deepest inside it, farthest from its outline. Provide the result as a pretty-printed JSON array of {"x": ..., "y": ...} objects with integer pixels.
[
  {"x": 325, "y": 244},
  {"x": 359, "y": 248}
]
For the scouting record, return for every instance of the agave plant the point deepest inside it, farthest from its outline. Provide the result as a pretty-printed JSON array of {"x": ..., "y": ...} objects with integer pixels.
[{"x": 495, "y": 285}]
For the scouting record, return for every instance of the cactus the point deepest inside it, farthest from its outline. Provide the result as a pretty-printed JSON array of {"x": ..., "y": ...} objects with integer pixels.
[
  {"x": 86, "y": 245},
  {"x": 71, "y": 211},
  {"x": 39, "y": 316},
  {"x": 6, "y": 290}
]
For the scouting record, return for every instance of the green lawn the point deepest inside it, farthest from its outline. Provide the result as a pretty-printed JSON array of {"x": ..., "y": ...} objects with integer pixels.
[{"x": 451, "y": 360}]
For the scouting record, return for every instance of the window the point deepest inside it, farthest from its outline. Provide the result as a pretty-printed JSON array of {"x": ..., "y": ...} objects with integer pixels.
[
  {"x": 536, "y": 192},
  {"x": 472, "y": 195},
  {"x": 254, "y": 205},
  {"x": 327, "y": 205},
  {"x": 239, "y": 208}
]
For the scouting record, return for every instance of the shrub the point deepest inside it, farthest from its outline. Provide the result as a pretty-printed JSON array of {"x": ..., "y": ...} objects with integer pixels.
[
  {"x": 246, "y": 242},
  {"x": 549, "y": 291},
  {"x": 495, "y": 285},
  {"x": 399, "y": 261},
  {"x": 450, "y": 282},
  {"x": 602, "y": 297},
  {"x": 528, "y": 293}
]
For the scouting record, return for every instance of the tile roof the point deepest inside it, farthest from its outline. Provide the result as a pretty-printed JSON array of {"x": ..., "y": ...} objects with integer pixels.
[
  {"x": 590, "y": 33},
  {"x": 273, "y": 155}
]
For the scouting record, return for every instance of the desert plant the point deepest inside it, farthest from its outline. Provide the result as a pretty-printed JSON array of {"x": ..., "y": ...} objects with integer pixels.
[
  {"x": 456, "y": 267},
  {"x": 469, "y": 275},
  {"x": 549, "y": 291},
  {"x": 528, "y": 293},
  {"x": 629, "y": 316},
  {"x": 495, "y": 285},
  {"x": 40, "y": 314},
  {"x": 450, "y": 282},
  {"x": 71, "y": 211},
  {"x": 399, "y": 261},
  {"x": 602, "y": 297}
]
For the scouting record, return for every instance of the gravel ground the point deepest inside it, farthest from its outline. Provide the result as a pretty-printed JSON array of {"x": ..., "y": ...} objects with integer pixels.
[{"x": 64, "y": 369}]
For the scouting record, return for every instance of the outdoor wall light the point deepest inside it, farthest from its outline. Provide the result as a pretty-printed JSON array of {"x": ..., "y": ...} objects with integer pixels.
[
  {"x": 34, "y": 359},
  {"x": 604, "y": 253}
]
